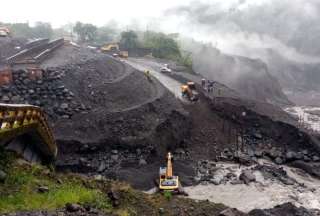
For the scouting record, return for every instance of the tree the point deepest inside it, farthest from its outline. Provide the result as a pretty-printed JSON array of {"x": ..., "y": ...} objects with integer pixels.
[
  {"x": 162, "y": 45},
  {"x": 129, "y": 40},
  {"x": 86, "y": 32},
  {"x": 42, "y": 30},
  {"x": 20, "y": 30},
  {"x": 106, "y": 34}
]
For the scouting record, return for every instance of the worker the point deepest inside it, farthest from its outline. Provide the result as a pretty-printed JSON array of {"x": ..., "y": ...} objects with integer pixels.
[
  {"x": 147, "y": 74},
  {"x": 203, "y": 83},
  {"x": 210, "y": 85}
]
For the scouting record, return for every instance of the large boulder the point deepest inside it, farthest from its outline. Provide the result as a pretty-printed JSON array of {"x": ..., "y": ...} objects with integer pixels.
[{"x": 247, "y": 176}]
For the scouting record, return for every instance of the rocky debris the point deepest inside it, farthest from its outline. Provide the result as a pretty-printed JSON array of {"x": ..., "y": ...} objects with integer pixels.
[
  {"x": 247, "y": 176},
  {"x": 102, "y": 167},
  {"x": 102, "y": 162},
  {"x": 273, "y": 172},
  {"x": 69, "y": 210},
  {"x": 215, "y": 173},
  {"x": 209, "y": 172},
  {"x": 231, "y": 212},
  {"x": 114, "y": 196},
  {"x": 312, "y": 168},
  {"x": 3, "y": 176},
  {"x": 70, "y": 207},
  {"x": 286, "y": 209},
  {"x": 48, "y": 93},
  {"x": 142, "y": 162},
  {"x": 43, "y": 189}
]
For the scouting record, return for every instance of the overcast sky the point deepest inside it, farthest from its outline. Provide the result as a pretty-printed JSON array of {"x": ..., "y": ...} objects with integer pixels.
[
  {"x": 196, "y": 19},
  {"x": 98, "y": 12}
]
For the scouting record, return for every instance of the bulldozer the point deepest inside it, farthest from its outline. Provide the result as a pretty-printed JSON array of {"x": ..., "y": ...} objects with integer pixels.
[
  {"x": 189, "y": 91},
  {"x": 114, "y": 49},
  {"x": 110, "y": 48},
  {"x": 167, "y": 181}
]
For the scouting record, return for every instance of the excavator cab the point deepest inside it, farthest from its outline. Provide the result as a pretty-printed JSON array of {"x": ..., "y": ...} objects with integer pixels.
[
  {"x": 168, "y": 182},
  {"x": 191, "y": 85},
  {"x": 189, "y": 91}
]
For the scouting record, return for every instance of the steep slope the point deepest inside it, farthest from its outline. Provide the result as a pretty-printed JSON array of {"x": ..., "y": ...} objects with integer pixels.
[
  {"x": 299, "y": 80},
  {"x": 250, "y": 77}
]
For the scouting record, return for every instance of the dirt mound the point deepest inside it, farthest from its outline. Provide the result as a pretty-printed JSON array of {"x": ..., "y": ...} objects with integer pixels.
[
  {"x": 105, "y": 83},
  {"x": 286, "y": 209},
  {"x": 69, "y": 54},
  {"x": 9, "y": 46},
  {"x": 131, "y": 119}
]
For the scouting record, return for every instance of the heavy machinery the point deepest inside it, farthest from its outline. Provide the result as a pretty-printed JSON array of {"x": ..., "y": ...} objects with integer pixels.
[
  {"x": 189, "y": 91},
  {"x": 114, "y": 49},
  {"x": 18, "y": 120},
  {"x": 123, "y": 54},
  {"x": 167, "y": 181},
  {"x": 110, "y": 47}
]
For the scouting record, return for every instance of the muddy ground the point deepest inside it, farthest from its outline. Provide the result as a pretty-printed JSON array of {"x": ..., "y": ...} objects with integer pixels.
[
  {"x": 129, "y": 128},
  {"x": 127, "y": 123}
]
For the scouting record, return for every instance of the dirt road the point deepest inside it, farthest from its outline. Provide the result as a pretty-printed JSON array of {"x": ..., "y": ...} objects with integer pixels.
[{"x": 154, "y": 68}]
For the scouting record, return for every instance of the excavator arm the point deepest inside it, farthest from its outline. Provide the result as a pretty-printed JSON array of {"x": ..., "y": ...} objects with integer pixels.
[
  {"x": 168, "y": 182},
  {"x": 30, "y": 122}
]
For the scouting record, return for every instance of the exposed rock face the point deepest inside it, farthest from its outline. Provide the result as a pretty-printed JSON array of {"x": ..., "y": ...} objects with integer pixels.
[
  {"x": 247, "y": 176},
  {"x": 284, "y": 210},
  {"x": 48, "y": 93},
  {"x": 250, "y": 77}
]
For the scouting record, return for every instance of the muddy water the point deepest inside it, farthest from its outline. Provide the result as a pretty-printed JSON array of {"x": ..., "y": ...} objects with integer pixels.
[
  {"x": 262, "y": 193},
  {"x": 311, "y": 121}
]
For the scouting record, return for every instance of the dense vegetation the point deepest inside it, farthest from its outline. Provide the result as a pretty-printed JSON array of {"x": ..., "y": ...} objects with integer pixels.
[
  {"x": 161, "y": 45},
  {"x": 20, "y": 190}
]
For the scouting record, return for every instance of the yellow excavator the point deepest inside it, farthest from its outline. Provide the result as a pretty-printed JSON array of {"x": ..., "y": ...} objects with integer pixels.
[
  {"x": 189, "y": 91},
  {"x": 168, "y": 182}
]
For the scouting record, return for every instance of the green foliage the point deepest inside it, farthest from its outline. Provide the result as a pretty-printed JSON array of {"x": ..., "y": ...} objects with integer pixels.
[
  {"x": 167, "y": 195},
  {"x": 162, "y": 45},
  {"x": 21, "y": 30},
  {"x": 129, "y": 40},
  {"x": 40, "y": 30},
  {"x": 57, "y": 197},
  {"x": 86, "y": 32},
  {"x": 19, "y": 192},
  {"x": 186, "y": 60},
  {"x": 106, "y": 34},
  {"x": 6, "y": 158}
]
